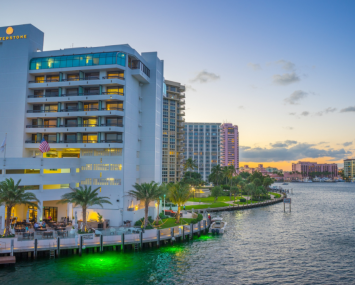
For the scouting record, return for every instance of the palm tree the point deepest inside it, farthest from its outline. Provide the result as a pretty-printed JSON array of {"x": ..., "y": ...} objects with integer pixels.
[
  {"x": 147, "y": 192},
  {"x": 190, "y": 164},
  {"x": 84, "y": 197},
  {"x": 11, "y": 195},
  {"x": 179, "y": 193},
  {"x": 235, "y": 190},
  {"x": 216, "y": 173}
]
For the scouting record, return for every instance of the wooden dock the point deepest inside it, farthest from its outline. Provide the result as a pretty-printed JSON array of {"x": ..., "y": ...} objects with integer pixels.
[{"x": 7, "y": 259}]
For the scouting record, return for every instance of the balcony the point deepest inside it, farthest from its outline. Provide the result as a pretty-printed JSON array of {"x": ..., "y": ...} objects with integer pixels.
[
  {"x": 113, "y": 77},
  {"x": 78, "y": 141},
  {"x": 182, "y": 95},
  {"x": 181, "y": 107},
  {"x": 139, "y": 71},
  {"x": 76, "y": 110}
]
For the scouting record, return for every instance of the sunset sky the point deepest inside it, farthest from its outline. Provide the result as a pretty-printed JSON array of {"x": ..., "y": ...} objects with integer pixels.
[{"x": 283, "y": 71}]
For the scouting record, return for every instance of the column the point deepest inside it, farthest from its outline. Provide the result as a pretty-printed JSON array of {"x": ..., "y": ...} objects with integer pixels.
[
  {"x": 40, "y": 211},
  {"x": 70, "y": 211},
  {"x": 2, "y": 218}
]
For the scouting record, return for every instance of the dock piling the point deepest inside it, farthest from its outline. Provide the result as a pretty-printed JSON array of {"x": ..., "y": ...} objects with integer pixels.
[
  {"x": 122, "y": 242},
  {"x": 158, "y": 238},
  {"x": 81, "y": 245},
  {"x": 35, "y": 249},
  {"x": 12, "y": 248},
  {"x": 58, "y": 246},
  {"x": 101, "y": 243},
  {"x": 191, "y": 230},
  {"x": 172, "y": 235},
  {"x": 141, "y": 239},
  {"x": 199, "y": 228}
]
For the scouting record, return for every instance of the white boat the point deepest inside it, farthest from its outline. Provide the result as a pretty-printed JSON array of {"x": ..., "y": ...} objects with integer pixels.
[
  {"x": 216, "y": 219},
  {"x": 306, "y": 180},
  {"x": 218, "y": 227}
]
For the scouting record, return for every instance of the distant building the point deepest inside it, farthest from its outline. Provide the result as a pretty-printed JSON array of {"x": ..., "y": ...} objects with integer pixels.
[
  {"x": 229, "y": 144},
  {"x": 173, "y": 131},
  {"x": 260, "y": 168},
  {"x": 272, "y": 169},
  {"x": 202, "y": 141},
  {"x": 314, "y": 169},
  {"x": 349, "y": 168}
]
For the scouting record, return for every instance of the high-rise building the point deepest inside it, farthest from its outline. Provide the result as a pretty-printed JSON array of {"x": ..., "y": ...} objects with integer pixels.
[
  {"x": 173, "y": 131},
  {"x": 229, "y": 145},
  {"x": 202, "y": 141},
  {"x": 349, "y": 168},
  {"x": 99, "y": 108},
  {"x": 321, "y": 170}
]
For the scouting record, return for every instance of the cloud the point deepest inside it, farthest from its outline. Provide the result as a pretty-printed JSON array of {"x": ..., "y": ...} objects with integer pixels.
[
  {"x": 296, "y": 152},
  {"x": 254, "y": 66},
  {"x": 204, "y": 77},
  {"x": 326, "y": 111},
  {"x": 323, "y": 142},
  {"x": 190, "y": 88},
  {"x": 292, "y": 114},
  {"x": 287, "y": 65},
  {"x": 241, "y": 107},
  {"x": 288, "y": 128},
  {"x": 348, "y": 109},
  {"x": 245, "y": 147},
  {"x": 305, "y": 113},
  {"x": 295, "y": 97},
  {"x": 283, "y": 144},
  {"x": 347, "y": 143},
  {"x": 286, "y": 78}
]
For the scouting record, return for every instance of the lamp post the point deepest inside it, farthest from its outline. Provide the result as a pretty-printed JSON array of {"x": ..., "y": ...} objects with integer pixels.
[{"x": 164, "y": 203}]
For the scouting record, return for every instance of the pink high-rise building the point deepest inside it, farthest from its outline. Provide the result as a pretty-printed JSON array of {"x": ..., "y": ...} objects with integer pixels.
[{"x": 229, "y": 145}]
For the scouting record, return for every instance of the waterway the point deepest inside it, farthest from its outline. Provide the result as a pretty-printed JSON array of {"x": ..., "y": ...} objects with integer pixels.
[{"x": 314, "y": 244}]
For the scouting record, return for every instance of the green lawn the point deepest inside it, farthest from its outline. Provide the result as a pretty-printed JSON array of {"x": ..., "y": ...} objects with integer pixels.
[
  {"x": 276, "y": 195},
  {"x": 211, "y": 199},
  {"x": 206, "y": 206},
  {"x": 170, "y": 222},
  {"x": 245, "y": 203}
]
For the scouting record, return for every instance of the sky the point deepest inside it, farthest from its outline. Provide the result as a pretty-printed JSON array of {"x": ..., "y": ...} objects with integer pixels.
[{"x": 283, "y": 71}]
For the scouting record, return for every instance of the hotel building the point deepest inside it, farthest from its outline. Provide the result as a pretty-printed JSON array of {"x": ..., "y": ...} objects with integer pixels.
[
  {"x": 100, "y": 110},
  {"x": 202, "y": 141},
  {"x": 173, "y": 131},
  {"x": 325, "y": 170},
  {"x": 349, "y": 168},
  {"x": 229, "y": 145}
]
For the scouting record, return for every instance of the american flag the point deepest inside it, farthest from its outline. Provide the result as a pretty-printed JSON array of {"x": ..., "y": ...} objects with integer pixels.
[{"x": 44, "y": 146}]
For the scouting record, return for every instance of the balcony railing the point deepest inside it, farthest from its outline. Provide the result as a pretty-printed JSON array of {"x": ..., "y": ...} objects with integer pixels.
[
  {"x": 82, "y": 78},
  {"x": 43, "y": 80},
  {"x": 75, "y": 94},
  {"x": 137, "y": 64},
  {"x": 77, "y": 141},
  {"x": 113, "y": 77},
  {"x": 76, "y": 110}
]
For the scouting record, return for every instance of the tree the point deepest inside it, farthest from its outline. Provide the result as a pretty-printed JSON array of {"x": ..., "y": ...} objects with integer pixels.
[
  {"x": 231, "y": 172},
  {"x": 190, "y": 164},
  {"x": 146, "y": 192},
  {"x": 11, "y": 195},
  {"x": 249, "y": 188},
  {"x": 216, "y": 192},
  {"x": 267, "y": 182},
  {"x": 257, "y": 182},
  {"x": 84, "y": 197},
  {"x": 235, "y": 190},
  {"x": 216, "y": 174},
  {"x": 179, "y": 193},
  {"x": 241, "y": 185},
  {"x": 244, "y": 174}
]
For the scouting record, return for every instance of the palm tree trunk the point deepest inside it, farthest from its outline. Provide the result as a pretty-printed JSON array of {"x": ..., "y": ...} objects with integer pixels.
[
  {"x": 84, "y": 218},
  {"x": 178, "y": 215},
  {"x": 146, "y": 213},
  {"x": 7, "y": 232}
]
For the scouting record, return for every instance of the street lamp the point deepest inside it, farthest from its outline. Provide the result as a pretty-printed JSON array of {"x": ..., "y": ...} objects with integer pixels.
[{"x": 164, "y": 203}]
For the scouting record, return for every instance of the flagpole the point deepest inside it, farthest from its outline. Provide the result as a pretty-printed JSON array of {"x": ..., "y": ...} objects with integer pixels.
[{"x": 5, "y": 145}]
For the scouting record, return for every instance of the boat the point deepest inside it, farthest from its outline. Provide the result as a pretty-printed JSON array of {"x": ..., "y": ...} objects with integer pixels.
[
  {"x": 284, "y": 183},
  {"x": 216, "y": 219},
  {"x": 218, "y": 227},
  {"x": 306, "y": 180}
]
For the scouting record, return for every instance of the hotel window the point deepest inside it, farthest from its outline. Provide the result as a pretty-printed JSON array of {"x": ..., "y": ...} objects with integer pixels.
[
  {"x": 114, "y": 137},
  {"x": 165, "y": 120},
  {"x": 165, "y": 127},
  {"x": 172, "y": 128},
  {"x": 51, "y": 108},
  {"x": 115, "y": 121},
  {"x": 91, "y": 107},
  {"x": 118, "y": 106},
  {"x": 89, "y": 138},
  {"x": 165, "y": 114},
  {"x": 92, "y": 91},
  {"x": 114, "y": 90},
  {"x": 165, "y": 107},
  {"x": 115, "y": 75}
]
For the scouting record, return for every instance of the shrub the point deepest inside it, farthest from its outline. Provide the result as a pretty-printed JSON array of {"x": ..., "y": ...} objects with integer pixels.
[
  {"x": 242, "y": 200},
  {"x": 226, "y": 187},
  {"x": 226, "y": 193},
  {"x": 194, "y": 221},
  {"x": 149, "y": 227},
  {"x": 199, "y": 217},
  {"x": 141, "y": 221},
  {"x": 162, "y": 216}
]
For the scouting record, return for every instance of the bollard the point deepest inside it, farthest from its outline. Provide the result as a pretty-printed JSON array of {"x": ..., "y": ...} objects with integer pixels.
[
  {"x": 158, "y": 238},
  {"x": 141, "y": 240},
  {"x": 35, "y": 252},
  {"x": 81, "y": 245},
  {"x": 122, "y": 242},
  {"x": 183, "y": 233},
  {"x": 12, "y": 248},
  {"x": 204, "y": 225},
  {"x": 172, "y": 235},
  {"x": 191, "y": 230},
  {"x": 101, "y": 243},
  {"x": 58, "y": 246}
]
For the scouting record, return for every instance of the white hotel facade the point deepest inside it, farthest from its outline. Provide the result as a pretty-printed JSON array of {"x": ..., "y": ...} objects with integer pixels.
[{"x": 100, "y": 109}]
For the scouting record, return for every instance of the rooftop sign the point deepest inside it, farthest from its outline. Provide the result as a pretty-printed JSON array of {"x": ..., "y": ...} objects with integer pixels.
[{"x": 10, "y": 31}]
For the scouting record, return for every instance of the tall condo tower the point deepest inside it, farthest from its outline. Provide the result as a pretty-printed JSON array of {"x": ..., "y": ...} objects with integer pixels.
[
  {"x": 173, "y": 131},
  {"x": 229, "y": 145}
]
